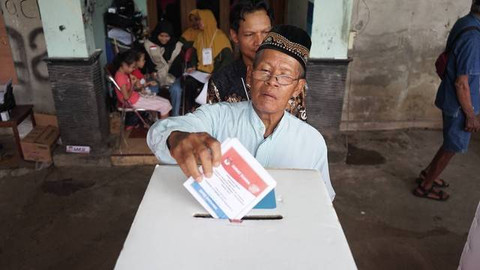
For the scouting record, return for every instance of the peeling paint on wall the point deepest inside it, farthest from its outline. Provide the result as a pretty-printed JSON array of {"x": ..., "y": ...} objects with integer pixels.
[
  {"x": 27, "y": 41},
  {"x": 392, "y": 77}
]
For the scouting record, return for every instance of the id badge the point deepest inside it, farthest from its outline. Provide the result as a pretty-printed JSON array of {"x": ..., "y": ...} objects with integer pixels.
[{"x": 207, "y": 56}]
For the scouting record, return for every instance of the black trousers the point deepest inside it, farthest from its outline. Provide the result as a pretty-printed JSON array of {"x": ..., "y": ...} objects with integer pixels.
[{"x": 192, "y": 89}]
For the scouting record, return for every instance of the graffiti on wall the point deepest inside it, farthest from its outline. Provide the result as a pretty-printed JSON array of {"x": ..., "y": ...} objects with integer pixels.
[
  {"x": 28, "y": 64},
  {"x": 25, "y": 8}
]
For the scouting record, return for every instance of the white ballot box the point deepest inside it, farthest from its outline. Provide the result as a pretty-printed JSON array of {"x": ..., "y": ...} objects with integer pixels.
[
  {"x": 470, "y": 259},
  {"x": 165, "y": 233}
]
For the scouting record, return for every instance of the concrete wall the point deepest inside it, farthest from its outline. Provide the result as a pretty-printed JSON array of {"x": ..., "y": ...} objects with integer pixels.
[
  {"x": 101, "y": 6},
  {"x": 393, "y": 81},
  {"x": 65, "y": 31},
  {"x": 331, "y": 27},
  {"x": 26, "y": 37}
]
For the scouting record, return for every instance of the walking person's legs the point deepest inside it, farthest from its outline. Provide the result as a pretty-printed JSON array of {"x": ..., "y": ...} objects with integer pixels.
[
  {"x": 455, "y": 140},
  {"x": 433, "y": 171}
]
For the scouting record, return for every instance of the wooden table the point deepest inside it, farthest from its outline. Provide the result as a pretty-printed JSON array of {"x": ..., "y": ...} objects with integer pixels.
[{"x": 17, "y": 116}]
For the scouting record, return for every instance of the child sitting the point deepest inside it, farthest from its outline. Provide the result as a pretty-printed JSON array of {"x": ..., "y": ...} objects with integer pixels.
[
  {"x": 125, "y": 65},
  {"x": 144, "y": 81}
]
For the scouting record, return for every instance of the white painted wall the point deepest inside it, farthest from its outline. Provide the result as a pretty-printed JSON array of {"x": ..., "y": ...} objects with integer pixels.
[
  {"x": 331, "y": 28},
  {"x": 73, "y": 40},
  {"x": 393, "y": 83}
]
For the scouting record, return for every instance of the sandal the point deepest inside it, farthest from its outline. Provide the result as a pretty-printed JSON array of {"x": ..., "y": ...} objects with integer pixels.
[
  {"x": 440, "y": 183},
  {"x": 438, "y": 195}
]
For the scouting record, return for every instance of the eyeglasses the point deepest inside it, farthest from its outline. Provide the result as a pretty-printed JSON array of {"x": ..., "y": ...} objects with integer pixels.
[{"x": 265, "y": 76}]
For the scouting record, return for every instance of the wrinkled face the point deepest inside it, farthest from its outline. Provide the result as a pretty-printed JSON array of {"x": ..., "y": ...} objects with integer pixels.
[
  {"x": 269, "y": 96},
  {"x": 141, "y": 61},
  {"x": 251, "y": 32},
  {"x": 163, "y": 38},
  {"x": 129, "y": 68}
]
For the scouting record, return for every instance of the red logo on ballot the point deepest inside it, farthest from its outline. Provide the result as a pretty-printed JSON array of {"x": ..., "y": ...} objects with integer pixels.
[{"x": 234, "y": 164}]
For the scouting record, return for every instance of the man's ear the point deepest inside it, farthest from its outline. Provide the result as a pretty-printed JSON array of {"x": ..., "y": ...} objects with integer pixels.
[
  {"x": 234, "y": 36},
  {"x": 299, "y": 88}
]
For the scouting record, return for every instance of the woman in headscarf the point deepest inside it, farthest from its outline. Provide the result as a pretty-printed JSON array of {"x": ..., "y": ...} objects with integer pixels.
[
  {"x": 212, "y": 52},
  {"x": 191, "y": 33},
  {"x": 164, "y": 60},
  {"x": 212, "y": 46}
]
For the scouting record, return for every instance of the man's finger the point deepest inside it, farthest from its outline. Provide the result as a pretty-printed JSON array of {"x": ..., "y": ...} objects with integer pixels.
[
  {"x": 216, "y": 151},
  {"x": 192, "y": 168},
  {"x": 184, "y": 168},
  {"x": 206, "y": 160}
]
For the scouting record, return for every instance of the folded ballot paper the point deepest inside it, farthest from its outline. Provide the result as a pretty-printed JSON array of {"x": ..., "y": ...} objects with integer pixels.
[{"x": 236, "y": 186}]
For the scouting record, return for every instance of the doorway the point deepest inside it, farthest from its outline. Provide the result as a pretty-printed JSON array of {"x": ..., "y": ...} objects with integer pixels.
[{"x": 176, "y": 11}]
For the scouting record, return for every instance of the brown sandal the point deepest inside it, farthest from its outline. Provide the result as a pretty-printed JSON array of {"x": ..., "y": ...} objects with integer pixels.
[
  {"x": 437, "y": 183},
  {"x": 439, "y": 195}
]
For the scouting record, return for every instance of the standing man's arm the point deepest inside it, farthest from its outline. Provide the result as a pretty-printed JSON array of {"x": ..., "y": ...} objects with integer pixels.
[
  {"x": 462, "y": 87},
  {"x": 467, "y": 56}
]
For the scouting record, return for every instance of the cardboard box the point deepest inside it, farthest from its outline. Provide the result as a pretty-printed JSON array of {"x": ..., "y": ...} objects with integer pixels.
[
  {"x": 39, "y": 143},
  {"x": 45, "y": 119}
]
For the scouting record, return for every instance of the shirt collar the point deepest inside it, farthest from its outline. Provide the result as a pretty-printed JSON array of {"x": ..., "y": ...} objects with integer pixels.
[{"x": 259, "y": 126}]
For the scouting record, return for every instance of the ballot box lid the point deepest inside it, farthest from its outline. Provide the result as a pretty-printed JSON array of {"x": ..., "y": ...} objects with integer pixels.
[{"x": 166, "y": 235}]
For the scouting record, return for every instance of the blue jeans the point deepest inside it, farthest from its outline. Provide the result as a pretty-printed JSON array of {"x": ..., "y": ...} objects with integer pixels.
[{"x": 176, "y": 96}]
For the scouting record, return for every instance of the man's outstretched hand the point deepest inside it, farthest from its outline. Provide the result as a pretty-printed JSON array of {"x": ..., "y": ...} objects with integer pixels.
[{"x": 193, "y": 149}]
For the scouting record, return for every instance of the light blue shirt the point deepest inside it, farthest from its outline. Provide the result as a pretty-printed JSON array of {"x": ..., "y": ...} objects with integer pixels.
[{"x": 293, "y": 144}]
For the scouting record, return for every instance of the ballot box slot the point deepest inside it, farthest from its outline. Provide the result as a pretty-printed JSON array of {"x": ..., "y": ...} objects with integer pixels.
[{"x": 247, "y": 217}]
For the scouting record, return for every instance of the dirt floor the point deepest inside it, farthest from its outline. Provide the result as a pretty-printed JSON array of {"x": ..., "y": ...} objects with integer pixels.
[{"x": 78, "y": 218}]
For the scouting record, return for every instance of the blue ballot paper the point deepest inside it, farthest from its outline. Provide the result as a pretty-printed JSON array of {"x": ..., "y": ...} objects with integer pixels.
[{"x": 268, "y": 202}]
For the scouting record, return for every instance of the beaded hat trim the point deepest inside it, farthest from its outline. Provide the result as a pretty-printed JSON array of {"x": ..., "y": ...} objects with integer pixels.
[{"x": 280, "y": 41}]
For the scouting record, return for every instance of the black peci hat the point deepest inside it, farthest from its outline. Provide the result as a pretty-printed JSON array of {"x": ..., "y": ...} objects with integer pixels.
[{"x": 290, "y": 40}]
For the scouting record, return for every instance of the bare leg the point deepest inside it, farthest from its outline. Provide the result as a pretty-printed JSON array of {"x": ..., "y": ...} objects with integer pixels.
[
  {"x": 436, "y": 167},
  {"x": 424, "y": 172},
  {"x": 434, "y": 160}
]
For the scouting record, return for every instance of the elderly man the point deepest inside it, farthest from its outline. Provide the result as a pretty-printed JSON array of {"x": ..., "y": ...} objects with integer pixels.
[
  {"x": 275, "y": 137},
  {"x": 250, "y": 22},
  {"x": 459, "y": 99}
]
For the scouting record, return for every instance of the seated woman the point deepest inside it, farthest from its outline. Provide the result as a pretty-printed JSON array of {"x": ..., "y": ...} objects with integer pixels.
[
  {"x": 125, "y": 64},
  {"x": 164, "y": 60},
  {"x": 212, "y": 52},
  {"x": 190, "y": 34}
]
